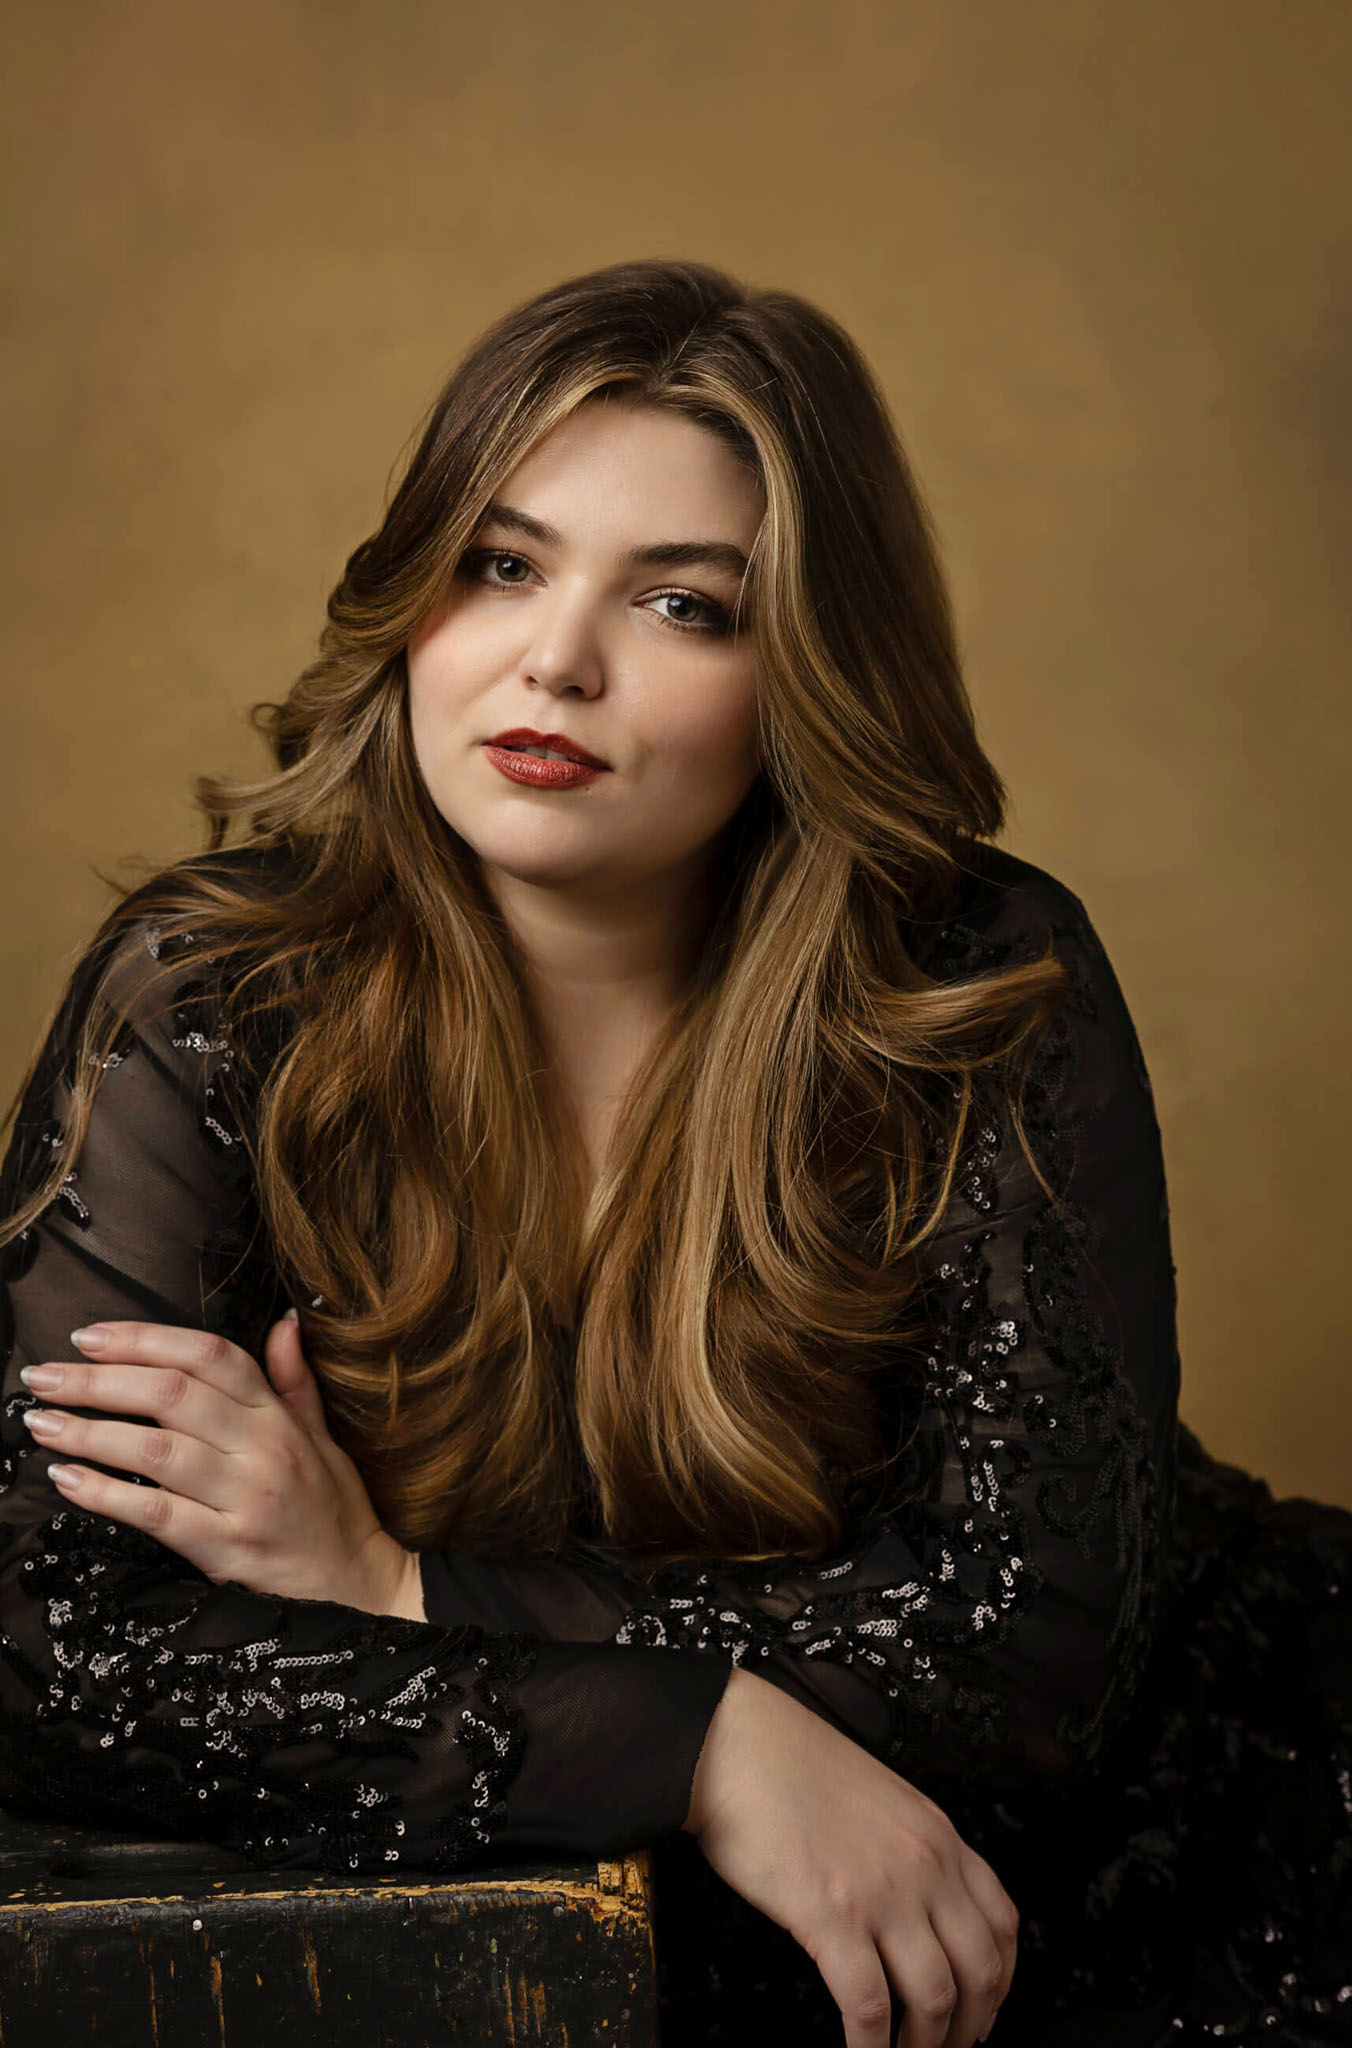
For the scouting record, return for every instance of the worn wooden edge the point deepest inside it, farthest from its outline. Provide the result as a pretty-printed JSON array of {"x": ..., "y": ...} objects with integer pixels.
[
  {"x": 55, "y": 1867},
  {"x": 619, "y": 1890}
]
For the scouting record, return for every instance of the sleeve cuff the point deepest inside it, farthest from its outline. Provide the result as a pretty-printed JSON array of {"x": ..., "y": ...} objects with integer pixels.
[
  {"x": 559, "y": 1601},
  {"x": 615, "y": 1738}
]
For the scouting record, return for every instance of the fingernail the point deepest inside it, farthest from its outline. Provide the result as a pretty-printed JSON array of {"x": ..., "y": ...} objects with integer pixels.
[
  {"x": 94, "y": 1337},
  {"x": 43, "y": 1421},
  {"x": 43, "y": 1379},
  {"x": 69, "y": 1476},
  {"x": 292, "y": 1316}
]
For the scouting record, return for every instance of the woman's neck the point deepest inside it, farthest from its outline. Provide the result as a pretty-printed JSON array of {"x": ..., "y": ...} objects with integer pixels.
[
  {"x": 625, "y": 952},
  {"x": 604, "y": 976}
]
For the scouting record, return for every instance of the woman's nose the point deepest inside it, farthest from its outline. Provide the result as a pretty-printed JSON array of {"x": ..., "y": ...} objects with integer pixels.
[{"x": 565, "y": 650}]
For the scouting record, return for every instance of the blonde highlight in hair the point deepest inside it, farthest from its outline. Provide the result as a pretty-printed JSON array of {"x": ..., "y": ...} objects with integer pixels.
[{"x": 746, "y": 1269}]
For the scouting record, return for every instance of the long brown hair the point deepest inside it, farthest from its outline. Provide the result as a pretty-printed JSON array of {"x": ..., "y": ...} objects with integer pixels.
[{"x": 747, "y": 1267}]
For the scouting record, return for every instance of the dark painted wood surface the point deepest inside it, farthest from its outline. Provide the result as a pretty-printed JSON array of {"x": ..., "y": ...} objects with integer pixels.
[{"x": 134, "y": 1944}]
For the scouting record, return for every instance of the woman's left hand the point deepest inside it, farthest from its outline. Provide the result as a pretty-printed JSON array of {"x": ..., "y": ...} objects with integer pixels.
[{"x": 250, "y": 1485}]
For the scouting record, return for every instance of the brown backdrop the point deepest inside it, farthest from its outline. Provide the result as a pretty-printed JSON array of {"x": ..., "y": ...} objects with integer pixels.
[{"x": 1099, "y": 255}]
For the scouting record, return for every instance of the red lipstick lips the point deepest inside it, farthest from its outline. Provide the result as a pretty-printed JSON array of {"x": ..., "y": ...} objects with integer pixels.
[
  {"x": 557, "y": 742},
  {"x": 578, "y": 766}
]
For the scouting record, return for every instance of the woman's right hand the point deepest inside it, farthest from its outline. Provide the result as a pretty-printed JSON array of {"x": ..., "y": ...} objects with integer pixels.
[{"x": 864, "y": 1871}]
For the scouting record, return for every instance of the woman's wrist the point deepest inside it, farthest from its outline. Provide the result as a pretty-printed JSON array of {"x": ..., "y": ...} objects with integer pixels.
[
  {"x": 392, "y": 1579},
  {"x": 712, "y": 1756},
  {"x": 408, "y": 1591}
]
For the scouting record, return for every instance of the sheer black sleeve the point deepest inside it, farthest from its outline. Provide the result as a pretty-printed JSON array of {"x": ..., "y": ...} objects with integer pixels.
[
  {"x": 988, "y": 1623},
  {"x": 133, "y": 1691}
]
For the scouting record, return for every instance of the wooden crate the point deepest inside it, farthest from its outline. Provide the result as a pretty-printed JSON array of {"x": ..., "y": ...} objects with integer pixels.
[{"x": 138, "y": 1944}]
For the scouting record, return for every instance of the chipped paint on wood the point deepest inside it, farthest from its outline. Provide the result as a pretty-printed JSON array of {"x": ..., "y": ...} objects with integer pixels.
[
  {"x": 149, "y": 1961},
  {"x": 214, "y": 1966},
  {"x": 311, "y": 1967}
]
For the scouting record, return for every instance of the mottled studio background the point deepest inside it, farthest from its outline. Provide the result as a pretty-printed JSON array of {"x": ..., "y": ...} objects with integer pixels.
[{"x": 1100, "y": 257}]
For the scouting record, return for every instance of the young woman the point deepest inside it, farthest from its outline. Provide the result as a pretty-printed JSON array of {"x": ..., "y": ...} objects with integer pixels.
[{"x": 602, "y": 1277}]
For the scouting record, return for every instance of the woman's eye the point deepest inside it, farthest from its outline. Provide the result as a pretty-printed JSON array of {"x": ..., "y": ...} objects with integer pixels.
[
  {"x": 716, "y": 619},
  {"x": 703, "y": 615},
  {"x": 483, "y": 556}
]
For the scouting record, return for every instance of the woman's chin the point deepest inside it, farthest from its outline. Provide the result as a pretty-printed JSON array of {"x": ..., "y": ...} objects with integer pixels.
[{"x": 544, "y": 867}]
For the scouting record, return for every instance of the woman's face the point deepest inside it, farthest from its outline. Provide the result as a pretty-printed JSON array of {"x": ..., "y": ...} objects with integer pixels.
[{"x": 551, "y": 623}]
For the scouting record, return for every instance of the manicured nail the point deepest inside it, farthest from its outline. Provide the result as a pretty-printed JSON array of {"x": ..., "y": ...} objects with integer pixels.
[
  {"x": 94, "y": 1337},
  {"x": 43, "y": 1379},
  {"x": 43, "y": 1421},
  {"x": 69, "y": 1476}
]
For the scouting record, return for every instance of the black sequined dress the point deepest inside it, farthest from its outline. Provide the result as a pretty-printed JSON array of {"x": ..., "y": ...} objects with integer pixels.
[{"x": 1122, "y": 1667}]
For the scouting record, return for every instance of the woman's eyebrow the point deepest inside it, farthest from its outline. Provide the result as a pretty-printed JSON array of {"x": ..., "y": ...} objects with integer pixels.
[{"x": 666, "y": 554}]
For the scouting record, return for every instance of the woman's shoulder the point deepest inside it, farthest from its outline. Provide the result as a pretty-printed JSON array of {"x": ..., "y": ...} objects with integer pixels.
[
  {"x": 144, "y": 938},
  {"x": 173, "y": 985},
  {"x": 1008, "y": 910},
  {"x": 258, "y": 868},
  {"x": 1001, "y": 907}
]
